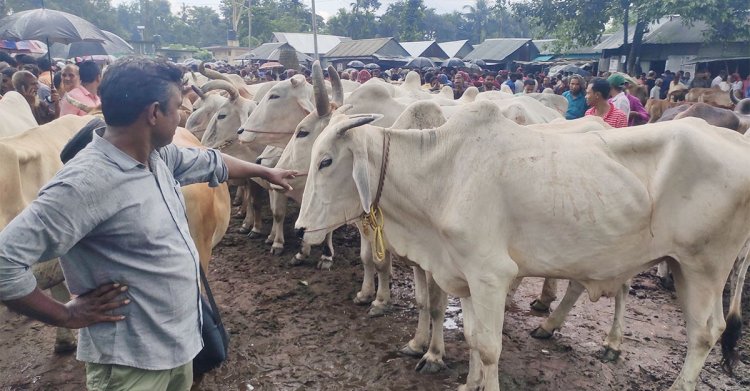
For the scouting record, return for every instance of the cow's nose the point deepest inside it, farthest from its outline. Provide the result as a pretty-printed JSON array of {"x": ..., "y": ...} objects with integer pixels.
[
  {"x": 240, "y": 130},
  {"x": 300, "y": 233}
]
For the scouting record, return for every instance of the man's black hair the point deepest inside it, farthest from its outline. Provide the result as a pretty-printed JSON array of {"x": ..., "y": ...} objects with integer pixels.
[
  {"x": 31, "y": 68},
  {"x": 57, "y": 80},
  {"x": 9, "y": 71},
  {"x": 88, "y": 71},
  {"x": 8, "y": 58},
  {"x": 601, "y": 86},
  {"x": 43, "y": 63},
  {"x": 25, "y": 59},
  {"x": 529, "y": 82},
  {"x": 133, "y": 83}
]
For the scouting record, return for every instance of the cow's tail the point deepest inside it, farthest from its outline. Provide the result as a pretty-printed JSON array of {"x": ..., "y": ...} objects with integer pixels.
[{"x": 733, "y": 331}]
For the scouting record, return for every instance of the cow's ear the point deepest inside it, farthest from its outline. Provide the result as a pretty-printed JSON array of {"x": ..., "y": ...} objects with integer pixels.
[
  {"x": 307, "y": 106},
  {"x": 361, "y": 176}
]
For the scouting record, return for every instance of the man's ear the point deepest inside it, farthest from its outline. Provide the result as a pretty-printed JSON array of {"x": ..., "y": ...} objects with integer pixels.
[{"x": 152, "y": 111}]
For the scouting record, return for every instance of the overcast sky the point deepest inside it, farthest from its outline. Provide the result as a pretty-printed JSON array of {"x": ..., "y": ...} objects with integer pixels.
[{"x": 326, "y": 8}]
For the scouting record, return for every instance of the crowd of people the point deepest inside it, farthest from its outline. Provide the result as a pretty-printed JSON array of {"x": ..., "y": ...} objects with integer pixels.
[{"x": 52, "y": 90}]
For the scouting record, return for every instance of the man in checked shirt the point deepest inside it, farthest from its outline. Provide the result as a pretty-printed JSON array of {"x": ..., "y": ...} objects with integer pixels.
[{"x": 116, "y": 216}]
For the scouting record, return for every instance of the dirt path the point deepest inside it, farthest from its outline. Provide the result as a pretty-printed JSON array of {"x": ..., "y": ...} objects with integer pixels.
[{"x": 296, "y": 328}]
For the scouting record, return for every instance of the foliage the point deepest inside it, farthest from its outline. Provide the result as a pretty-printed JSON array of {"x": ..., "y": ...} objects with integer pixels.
[
  {"x": 203, "y": 55},
  {"x": 269, "y": 16}
]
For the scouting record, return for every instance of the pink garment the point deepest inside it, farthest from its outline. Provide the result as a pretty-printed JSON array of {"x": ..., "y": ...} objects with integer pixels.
[
  {"x": 641, "y": 115},
  {"x": 364, "y": 75},
  {"x": 82, "y": 96}
]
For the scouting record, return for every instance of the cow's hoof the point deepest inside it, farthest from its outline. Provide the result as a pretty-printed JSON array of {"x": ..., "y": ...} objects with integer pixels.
[
  {"x": 325, "y": 263},
  {"x": 610, "y": 355},
  {"x": 269, "y": 239},
  {"x": 537, "y": 305},
  {"x": 295, "y": 261},
  {"x": 62, "y": 347},
  {"x": 378, "y": 310},
  {"x": 277, "y": 250},
  {"x": 540, "y": 333},
  {"x": 407, "y": 350},
  {"x": 362, "y": 299},
  {"x": 239, "y": 215},
  {"x": 244, "y": 230},
  {"x": 254, "y": 235},
  {"x": 426, "y": 365},
  {"x": 236, "y": 202}
]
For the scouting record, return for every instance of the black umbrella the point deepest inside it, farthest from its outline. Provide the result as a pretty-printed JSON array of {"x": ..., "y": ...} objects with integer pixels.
[
  {"x": 473, "y": 66},
  {"x": 453, "y": 63},
  {"x": 571, "y": 69},
  {"x": 372, "y": 65},
  {"x": 420, "y": 62},
  {"x": 479, "y": 62},
  {"x": 113, "y": 46},
  {"x": 356, "y": 64},
  {"x": 49, "y": 26}
]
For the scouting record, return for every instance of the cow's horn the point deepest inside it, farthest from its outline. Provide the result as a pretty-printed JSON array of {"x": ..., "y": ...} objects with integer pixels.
[
  {"x": 354, "y": 121},
  {"x": 212, "y": 74},
  {"x": 336, "y": 87},
  {"x": 222, "y": 85},
  {"x": 322, "y": 104},
  {"x": 198, "y": 92},
  {"x": 733, "y": 97}
]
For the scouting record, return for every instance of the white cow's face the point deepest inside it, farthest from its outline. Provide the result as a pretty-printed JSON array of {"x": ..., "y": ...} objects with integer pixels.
[
  {"x": 279, "y": 113},
  {"x": 222, "y": 128},
  {"x": 338, "y": 183}
]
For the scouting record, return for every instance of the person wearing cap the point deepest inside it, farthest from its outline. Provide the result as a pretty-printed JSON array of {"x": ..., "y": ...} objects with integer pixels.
[
  {"x": 596, "y": 97},
  {"x": 617, "y": 93}
]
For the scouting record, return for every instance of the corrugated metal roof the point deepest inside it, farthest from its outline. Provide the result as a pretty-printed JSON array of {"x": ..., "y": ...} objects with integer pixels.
[
  {"x": 496, "y": 49},
  {"x": 359, "y": 48},
  {"x": 453, "y": 47},
  {"x": 304, "y": 42},
  {"x": 547, "y": 47},
  {"x": 270, "y": 52},
  {"x": 416, "y": 48},
  {"x": 667, "y": 30}
]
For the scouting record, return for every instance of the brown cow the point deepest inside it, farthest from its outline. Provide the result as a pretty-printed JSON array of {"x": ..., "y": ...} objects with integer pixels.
[
  {"x": 712, "y": 96},
  {"x": 656, "y": 108},
  {"x": 737, "y": 120}
]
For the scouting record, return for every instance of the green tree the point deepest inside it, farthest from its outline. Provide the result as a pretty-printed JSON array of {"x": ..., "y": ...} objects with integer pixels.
[
  {"x": 581, "y": 22},
  {"x": 478, "y": 16}
]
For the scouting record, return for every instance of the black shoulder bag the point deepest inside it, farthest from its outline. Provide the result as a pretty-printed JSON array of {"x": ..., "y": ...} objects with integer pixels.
[{"x": 215, "y": 338}]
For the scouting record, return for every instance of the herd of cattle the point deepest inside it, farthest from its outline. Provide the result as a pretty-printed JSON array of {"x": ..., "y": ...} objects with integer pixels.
[{"x": 474, "y": 193}]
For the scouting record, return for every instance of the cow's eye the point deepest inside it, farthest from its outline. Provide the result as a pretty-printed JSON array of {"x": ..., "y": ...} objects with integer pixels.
[
  {"x": 274, "y": 96},
  {"x": 325, "y": 163},
  {"x": 302, "y": 133},
  {"x": 222, "y": 116}
]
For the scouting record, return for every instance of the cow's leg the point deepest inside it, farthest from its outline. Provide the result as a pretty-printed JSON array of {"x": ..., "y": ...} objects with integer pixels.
[
  {"x": 326, "y": 259},
  {"x": 549, "y": 294},
  {"x": 278, "y": 208},
  {"x": 49, "y": 276},
  {"x": 512, "y": 292},
  {"x": 555, "y": 320},
  {"x": 487, "y": 306},
  {"x": 432, "y": 361},
  {"x": 366, "y": 293},
  {"x": 662, "y": 271},
  {"x": 417, "y": 346},
  {"x": 614, "y": 339},
  {"x": 239, "y": 196},
  {"x": 699, "y": 293},
  {"x": 253, "y": 215},
  {"x": 382, "y": 303},
  {"x": 302, "y": 255}
]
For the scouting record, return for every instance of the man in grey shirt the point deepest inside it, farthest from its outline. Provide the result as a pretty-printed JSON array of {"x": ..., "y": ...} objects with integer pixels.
[{"x": 116, "y": 215}]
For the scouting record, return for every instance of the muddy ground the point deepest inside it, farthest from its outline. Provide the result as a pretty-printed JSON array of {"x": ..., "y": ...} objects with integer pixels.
[{"x": 296, "y": 328}]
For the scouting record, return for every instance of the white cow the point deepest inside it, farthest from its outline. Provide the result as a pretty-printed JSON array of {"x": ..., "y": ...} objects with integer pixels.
[
  {"x": 16, "y": 114},
  {"x": 595, "y": 207}
]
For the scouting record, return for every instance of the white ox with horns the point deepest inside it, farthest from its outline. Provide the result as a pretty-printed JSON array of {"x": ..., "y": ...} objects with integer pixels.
[{"x": 595, "y": 207}]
